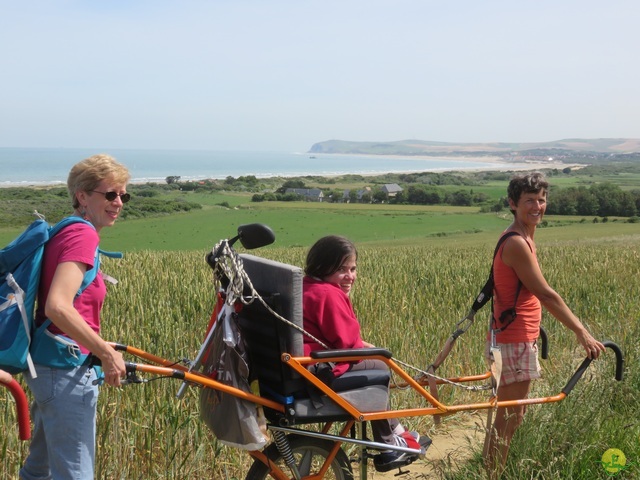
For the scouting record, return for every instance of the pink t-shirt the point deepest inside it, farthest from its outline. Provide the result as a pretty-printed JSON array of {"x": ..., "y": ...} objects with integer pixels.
[
  {"x": 526, "y": 326},
  {"x": 76, "y": 243},
  {"x": 329, "y": 316}
]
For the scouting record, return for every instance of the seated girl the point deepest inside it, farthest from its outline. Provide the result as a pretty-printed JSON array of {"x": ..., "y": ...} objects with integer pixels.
[{"x": 328, "y": 315}]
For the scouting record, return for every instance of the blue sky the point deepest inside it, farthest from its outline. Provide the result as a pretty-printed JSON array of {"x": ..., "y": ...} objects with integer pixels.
[{"x": 283, "y": 74}]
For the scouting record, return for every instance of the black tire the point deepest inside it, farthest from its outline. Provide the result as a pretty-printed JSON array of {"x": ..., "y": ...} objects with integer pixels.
[{"x": 310, "y": 453}]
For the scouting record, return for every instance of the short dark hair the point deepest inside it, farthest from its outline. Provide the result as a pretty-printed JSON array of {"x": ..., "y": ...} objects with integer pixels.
[
  {"x": 529, "y": 183},
  {"x": 326, "y": 255}
]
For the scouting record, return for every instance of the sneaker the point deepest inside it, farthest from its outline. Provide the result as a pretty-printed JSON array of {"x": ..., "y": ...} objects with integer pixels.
[
  {"x": 385, "y": 461},
  {"x": 423, "y": 441},
  {"x": 409, "y": 439}
]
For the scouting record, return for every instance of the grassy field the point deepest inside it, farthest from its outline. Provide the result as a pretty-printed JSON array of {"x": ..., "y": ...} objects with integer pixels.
[
  {"x": 300, "y": 224},
  {"x": 418, "y": 272}
]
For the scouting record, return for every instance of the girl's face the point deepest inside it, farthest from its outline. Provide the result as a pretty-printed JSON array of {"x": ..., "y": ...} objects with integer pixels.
[
  {"x": 530, "y": 208},
  {"x": 345, "y": 276}
]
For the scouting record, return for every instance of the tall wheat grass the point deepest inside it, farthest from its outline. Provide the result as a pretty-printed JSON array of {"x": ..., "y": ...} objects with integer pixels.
[{"x": 408, "y": 300}]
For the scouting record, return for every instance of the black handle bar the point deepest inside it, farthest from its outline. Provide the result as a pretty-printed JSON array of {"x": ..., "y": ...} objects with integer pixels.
[
  {"x": 129, "y": 367},
  {"x": 95, "y": 361},
  {"x": 252, "y": 235},
  {"x": 544, "y": 341},
  {"x": 587, "y": 361}
]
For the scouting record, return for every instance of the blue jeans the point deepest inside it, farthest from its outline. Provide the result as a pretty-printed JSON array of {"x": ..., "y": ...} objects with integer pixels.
[{"x": 64, "y": 418}]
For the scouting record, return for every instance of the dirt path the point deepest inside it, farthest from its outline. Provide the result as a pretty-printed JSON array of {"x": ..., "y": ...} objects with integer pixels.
[{"x": 453, "y": 441}]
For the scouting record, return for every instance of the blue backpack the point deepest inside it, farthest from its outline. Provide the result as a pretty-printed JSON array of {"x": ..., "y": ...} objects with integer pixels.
[{"x": 20, "y": 266}]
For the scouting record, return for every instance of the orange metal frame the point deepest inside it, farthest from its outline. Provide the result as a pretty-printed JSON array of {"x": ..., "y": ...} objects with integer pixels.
[
  {"x": 300, "y": 365},
  {"x": 167, "y": 368}
]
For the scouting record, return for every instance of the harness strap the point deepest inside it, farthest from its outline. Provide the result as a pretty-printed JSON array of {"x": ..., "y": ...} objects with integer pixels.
[
  {"x": 508, "y": 316},
  {"x": 18, "y": 298}
]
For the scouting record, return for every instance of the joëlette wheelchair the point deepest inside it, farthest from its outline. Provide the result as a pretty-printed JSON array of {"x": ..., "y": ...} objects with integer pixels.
[{"x": 309, "y": 421}]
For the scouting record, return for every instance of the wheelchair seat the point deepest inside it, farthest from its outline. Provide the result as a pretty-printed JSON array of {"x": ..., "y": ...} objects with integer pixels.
[{"x": 267, "y": 338}]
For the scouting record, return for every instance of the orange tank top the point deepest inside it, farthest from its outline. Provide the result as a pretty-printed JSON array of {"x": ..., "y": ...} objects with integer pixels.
[{"x": 526, "y": 326}]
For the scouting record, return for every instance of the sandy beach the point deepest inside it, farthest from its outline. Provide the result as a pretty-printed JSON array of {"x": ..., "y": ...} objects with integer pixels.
[
  {"x": 499, "y": 164},
  {"x": 47, "y": 167}
]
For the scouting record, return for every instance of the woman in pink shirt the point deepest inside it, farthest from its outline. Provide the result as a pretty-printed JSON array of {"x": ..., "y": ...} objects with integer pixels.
[
  {"x": 328, "y": 316},
  {"x": 65, "y": 398}
]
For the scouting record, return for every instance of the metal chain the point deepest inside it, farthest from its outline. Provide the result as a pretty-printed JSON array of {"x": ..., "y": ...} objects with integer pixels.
[
  {"x": 472, "y": 388},
  {"x": 230, "y": 264}
]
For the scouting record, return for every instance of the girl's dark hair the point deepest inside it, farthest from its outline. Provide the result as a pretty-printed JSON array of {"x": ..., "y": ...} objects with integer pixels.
[
  {"x": 529, "y": 183},
  {"x": 326, "y": 255}
]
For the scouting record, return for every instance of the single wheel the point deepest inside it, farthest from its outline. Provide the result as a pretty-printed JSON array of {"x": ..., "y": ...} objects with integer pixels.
[{"x": 310, "y": 454}]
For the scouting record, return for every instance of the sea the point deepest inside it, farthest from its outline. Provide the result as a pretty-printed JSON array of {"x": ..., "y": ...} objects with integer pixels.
[{"x": 50, "y": 166}]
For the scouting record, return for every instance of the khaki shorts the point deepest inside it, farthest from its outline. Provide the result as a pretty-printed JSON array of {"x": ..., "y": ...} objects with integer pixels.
[{"x": 519, "y": 361}]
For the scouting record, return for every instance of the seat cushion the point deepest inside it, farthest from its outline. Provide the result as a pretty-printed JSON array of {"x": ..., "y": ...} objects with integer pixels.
[
  {"x": 374, "y": 398},
  {"x": 360, "y": 378}
]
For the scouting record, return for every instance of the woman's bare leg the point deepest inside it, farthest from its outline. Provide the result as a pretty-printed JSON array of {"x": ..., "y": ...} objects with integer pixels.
[{"x": 507, "y": 422}]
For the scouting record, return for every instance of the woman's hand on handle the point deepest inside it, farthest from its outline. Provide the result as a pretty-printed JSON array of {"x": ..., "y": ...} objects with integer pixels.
[
  {"x": 592, "y": 346},
  {"x": 113, "y": 367}
]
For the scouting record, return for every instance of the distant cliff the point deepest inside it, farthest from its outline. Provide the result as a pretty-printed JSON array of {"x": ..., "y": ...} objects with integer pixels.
[{"x": 571, "y": 147}]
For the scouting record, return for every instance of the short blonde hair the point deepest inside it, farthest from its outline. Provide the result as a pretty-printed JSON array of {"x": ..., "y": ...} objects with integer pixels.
[{"x": 88, "y": 173}]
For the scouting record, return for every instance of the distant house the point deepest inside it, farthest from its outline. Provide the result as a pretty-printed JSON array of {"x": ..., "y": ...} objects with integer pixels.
[
  {"x": 309, "y": 194},
  {"x": 391, "y": 189},
  {"x": 364, "y": 193}
]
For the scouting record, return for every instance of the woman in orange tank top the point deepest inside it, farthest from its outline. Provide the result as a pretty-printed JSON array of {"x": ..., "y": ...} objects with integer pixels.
[{"x": 515, "y": 262}]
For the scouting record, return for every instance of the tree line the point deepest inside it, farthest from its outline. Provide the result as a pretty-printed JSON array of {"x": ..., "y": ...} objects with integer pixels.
[{"x": 602, "y": 199}]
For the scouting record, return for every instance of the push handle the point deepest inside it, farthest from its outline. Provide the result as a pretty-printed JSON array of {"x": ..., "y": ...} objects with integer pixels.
[
  {"x": 587, "y": 361},
  {"x": 544, "y": 341},
  {"x": 619, "y": 359},
  {"x": 130, "y": 368},
  {"x": 22, "y": 408}
]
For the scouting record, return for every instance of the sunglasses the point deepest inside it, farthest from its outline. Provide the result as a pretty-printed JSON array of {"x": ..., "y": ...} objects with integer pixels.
[{"x": 111, "y": 196}]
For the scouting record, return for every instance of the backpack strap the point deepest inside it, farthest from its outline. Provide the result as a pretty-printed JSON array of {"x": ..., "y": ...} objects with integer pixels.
[
  {"x": 486, "y": 293},
  {"x": 96, "y": 267},
  {"x": 57, "y": 350},
  {"x": 90, "y": 275},
  {"x": 65, "y": 222},
  {"x": 508, "y": 316},
  {"x": 18, "y": 299}
]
